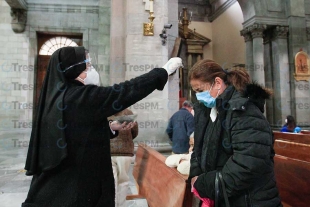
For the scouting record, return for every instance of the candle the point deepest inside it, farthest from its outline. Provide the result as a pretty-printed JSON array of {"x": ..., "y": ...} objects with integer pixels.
[{"x": 151, "y": 6}]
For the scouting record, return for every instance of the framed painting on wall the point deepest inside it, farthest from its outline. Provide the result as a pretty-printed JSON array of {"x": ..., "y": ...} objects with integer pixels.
[{"x": 302, "y": 72}]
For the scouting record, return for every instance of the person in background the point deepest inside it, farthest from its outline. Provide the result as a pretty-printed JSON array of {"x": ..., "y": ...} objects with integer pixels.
[
  {"x": 290, "y": 125},
  {"x": 122, "y": 151},
  {"x": 232, "y": 160},
  {"x": 180, "y": 127},
  {"x": 191, "y": 142}
]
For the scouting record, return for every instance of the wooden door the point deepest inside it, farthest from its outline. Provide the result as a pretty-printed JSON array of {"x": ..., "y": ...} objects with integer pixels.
[{"x": 43, "y": 61}]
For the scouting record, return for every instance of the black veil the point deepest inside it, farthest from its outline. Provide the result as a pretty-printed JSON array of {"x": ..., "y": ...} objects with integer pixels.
[{"x": 47, "y": 147}]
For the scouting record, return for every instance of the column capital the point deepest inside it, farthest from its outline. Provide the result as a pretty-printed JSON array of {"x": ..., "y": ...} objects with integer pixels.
[
  {"x": 247, "y": 35},
  {"x": 257, "y": 30},
  {"x": 280, "y": 32},
  {"x": 18, "y": 14},
  {"x": 19, "y": 19}
]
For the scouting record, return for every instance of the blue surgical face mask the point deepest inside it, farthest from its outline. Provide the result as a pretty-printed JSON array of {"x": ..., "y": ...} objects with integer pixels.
[{"x": 206, "y": 98}]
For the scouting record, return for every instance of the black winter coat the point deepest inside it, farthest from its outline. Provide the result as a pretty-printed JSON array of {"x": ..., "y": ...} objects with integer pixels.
[
  {"x": 84, "y": 178},
  {"x": 240, "y": 145}
]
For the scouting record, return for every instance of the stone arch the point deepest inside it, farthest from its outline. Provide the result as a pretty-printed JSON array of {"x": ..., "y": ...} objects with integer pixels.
[{"x": 248, "y": 9}]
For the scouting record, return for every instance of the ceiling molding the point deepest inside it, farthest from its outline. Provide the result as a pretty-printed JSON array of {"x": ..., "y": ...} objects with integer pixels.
[
  {"x": 266, "y": 21},
  {"x": 60, "y": 8},
  {"x": 17, "y": 4}
]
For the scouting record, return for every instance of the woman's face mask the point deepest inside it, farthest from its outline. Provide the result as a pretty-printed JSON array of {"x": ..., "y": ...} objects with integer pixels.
[{"x": 206, "y": 98}]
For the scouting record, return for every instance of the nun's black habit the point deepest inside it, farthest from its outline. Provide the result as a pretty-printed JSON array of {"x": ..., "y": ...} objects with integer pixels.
[{"x": 69, "y": 153}]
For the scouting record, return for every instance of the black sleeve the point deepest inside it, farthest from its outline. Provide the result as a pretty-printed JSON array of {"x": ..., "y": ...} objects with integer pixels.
[
  {"x": 252, "y": 148},
  {"x": 205, "y": 185},
  {"x": 195, "y": 169},
  {"x": 106, "y": 101}
]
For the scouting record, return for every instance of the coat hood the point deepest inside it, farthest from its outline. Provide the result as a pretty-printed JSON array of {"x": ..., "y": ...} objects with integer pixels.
[{"x": 257, "y": 94}]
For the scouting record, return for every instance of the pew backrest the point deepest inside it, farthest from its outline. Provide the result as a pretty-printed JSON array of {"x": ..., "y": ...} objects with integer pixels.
[
  {"x": 293, "y": 150},
  {"x": 293, "y": 137},
  {"x": 159, "y": 184},
  {"x": 305, "y": 131},
  {"x": 292, "y": 177}
]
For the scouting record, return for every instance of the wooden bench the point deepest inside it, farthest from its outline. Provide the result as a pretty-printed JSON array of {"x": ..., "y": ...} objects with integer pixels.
[
  {"x": 293, "y": 137},
  {"x": 292, "y": 176},
  {"x": 305, "y": 131},
  {"x": 159, "y": 184},
  {"x": 293, "y": 150}
]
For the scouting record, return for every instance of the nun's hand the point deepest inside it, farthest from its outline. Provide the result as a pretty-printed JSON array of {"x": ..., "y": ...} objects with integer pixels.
[
  {"x": 173, "y": 64},
  {"x": 116, "y": 126}
]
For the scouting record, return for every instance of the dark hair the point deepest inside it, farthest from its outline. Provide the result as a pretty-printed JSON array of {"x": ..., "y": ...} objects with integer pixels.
[
  {"x": 291, "y": 123},
  {"x": 187, "y": 104},
  {"x": 208, "y": 70}
]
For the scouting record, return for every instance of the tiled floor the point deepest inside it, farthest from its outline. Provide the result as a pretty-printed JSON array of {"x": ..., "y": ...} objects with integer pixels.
[{"x": 14, "y": 184}]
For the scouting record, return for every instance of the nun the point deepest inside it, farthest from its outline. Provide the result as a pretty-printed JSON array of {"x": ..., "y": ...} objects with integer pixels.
[{"x": 69, "y": 151}]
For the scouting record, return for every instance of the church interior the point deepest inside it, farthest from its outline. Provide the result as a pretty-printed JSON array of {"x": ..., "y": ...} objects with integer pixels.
[{"x": 270, "y": 39}]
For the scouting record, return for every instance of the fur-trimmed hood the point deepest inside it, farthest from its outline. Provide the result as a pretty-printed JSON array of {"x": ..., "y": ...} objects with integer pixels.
[
  {"x": 253, "y": 92},
  {"x": 256, "y": 91},
  {"x": 257, "y": 94}
]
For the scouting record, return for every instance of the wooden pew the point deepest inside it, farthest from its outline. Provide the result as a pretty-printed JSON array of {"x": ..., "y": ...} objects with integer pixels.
[
  {"x": 293, "y": 137},
  {"x": 293, "y": 181},
  {"x": 293, "y": 150},
  {"x": 305, "y": 131},
  {"x": 159, "y": 184}
]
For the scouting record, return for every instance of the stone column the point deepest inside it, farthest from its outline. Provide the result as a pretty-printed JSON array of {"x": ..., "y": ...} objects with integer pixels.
[
  {"x": 281, "y": 74},
  {"x": 248, "y": 51},
  {"x": 142, "y": 54},
  {"x": 190, "y": 60},
  {"x": 296, "y": 16},
  {"x": 103, "y": 46},
  {"x": 258, "y": 52},
  {"x": 198, "y": 57},
  {"x": 269, "y": 76},
  {"x": 117, "y": 52},
  {"x": 308, "y": 39}
]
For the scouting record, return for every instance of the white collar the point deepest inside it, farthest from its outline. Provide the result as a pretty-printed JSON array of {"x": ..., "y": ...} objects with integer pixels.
[{"x": 213, "y": 114}]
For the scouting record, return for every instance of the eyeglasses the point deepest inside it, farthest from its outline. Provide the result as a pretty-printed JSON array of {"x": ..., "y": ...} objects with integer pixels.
[{"x": 87, "y": 61}]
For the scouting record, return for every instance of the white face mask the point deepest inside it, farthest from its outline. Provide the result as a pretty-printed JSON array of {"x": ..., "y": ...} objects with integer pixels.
[{"x": 92, "y": 77}]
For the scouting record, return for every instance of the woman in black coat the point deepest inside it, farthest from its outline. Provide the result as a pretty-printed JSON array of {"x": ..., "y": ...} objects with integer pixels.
[
  {"x": 233, "y": 139},
  {"x": 69, "y": 152}
]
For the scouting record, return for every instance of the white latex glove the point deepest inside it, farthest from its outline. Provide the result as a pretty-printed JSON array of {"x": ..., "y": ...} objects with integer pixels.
[{"x": 173, "y": 64}]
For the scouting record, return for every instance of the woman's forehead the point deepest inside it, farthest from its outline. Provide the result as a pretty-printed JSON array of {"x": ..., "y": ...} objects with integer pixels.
[{"x": 197, "y": 83}]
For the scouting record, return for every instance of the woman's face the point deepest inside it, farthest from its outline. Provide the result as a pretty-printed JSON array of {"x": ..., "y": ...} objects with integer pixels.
[{"x": 216, "y": 88}]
